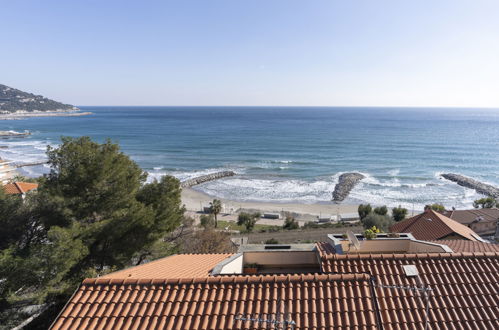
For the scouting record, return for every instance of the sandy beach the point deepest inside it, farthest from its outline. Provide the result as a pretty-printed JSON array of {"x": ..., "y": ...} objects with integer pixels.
[
  {"x": 7, "y": 172},
  {"x": 194, "y": 201}
]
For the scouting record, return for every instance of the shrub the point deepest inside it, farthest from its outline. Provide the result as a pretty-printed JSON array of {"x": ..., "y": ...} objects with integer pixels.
[
  {"x": 290, "y": 223},
  {"x": 485, "y": 203},
  {"x": 272, "y": 241},
  {"x": 399, "y": 213},
  {"x": 248, "y": 220},
  {"x": 382, "y": 210},
  {"x": 364, "y": 210},
  {"x": 435, "y": 207},
  {"x": 207, "y": 221},
  {"x": 382, "y": 222},
  {"x": 371, "y": 232}
]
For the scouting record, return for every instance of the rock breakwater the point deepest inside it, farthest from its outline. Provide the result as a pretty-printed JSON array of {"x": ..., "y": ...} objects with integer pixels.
[
  {"x": 205, "y": 178},
  {"x": 345, "y": 184},
  {"x": 479, "y": 187}
]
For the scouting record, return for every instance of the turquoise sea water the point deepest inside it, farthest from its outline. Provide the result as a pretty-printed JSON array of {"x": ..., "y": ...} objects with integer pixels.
[{"x": 291, "y": 154}]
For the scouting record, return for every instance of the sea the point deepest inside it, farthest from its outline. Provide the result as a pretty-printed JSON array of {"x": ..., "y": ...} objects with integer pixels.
[{"x": 290, "y": 154}]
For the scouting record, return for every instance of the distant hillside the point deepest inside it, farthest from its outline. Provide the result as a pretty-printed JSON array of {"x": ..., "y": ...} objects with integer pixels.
[{"x": 12, "y": 100}]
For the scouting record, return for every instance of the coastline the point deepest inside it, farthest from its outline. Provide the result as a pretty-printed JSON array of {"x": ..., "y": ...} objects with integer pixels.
[
  {"x": 194, "y": 201},
  {"x": 24, "y": 115},
  {"x": 7, "y": 172}
]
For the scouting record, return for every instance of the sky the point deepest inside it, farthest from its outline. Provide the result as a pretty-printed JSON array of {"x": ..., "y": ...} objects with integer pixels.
[{"x": 254, "y": 52}]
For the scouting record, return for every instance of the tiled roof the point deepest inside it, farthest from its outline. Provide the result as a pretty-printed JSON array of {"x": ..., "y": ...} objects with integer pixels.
[
  {"x": 431, "y": 225},
  {"x": 461, "y": 245},
  {"x": 468, "y": 216},
  {"x": 176, "y": 266},
  {"x": 465, "y": 288},
  {"x": 19, "y": 187},
  {"x": 312, "y": 301},
  {"x": 355, "y": 291}
]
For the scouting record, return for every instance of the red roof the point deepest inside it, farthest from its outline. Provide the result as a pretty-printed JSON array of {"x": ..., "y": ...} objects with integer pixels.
[
  {"x": 469, "y": 216},
  {"x": 461, "y": 245},
  {"x": 465, "y": 288},
  {"x": 176, "y": 266},
  {"x": 311, "y": 301},
  {"x": 17, "y": 188},
  {"x": 356, "y": 291},
  {"x": 431, "y": 225}
]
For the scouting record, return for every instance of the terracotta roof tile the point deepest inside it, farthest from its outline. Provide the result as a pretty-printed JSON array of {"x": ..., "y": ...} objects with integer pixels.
[
  {"x": 461, "y": 245},
  {"x": 464, "y": 296},
  {"x": 469, "y": 216},
  {"x": 465, "y": 288},
  {"x": 431, "y": 225},
  {"x": 176, "y": 266},
  {"x": 17, "y": 188},
  {"x": 303, "y": 297}
]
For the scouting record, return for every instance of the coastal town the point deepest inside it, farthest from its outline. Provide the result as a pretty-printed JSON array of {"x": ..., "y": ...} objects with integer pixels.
[
  {"x": 243, "y": 165},
  {"x": 295, "y": 266}
]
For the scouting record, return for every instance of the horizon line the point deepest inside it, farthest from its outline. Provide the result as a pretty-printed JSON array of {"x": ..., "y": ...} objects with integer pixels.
[{"x": 298, "y": 106}]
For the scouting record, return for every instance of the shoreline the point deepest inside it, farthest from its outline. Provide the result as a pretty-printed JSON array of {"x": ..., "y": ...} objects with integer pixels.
[
  {"x": 7, "y": 172},
  {"x": 24, "y": 115},
  {"x": 195, "y": 200}
]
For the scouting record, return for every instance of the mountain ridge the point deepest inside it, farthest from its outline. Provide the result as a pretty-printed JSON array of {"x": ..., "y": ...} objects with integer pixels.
[{"x": 13, "y": 100}]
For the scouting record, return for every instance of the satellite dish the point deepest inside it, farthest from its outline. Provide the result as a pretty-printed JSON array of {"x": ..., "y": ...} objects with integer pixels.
[{"x": 353, "y": 239}]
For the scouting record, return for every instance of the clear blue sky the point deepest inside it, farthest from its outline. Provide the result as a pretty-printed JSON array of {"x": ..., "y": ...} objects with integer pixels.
[{"x": 252, "y": 52}]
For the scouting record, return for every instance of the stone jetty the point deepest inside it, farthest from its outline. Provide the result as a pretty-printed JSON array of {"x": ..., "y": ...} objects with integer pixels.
[
  {"x": 345, "y": 184},
  {"x": 482, "y": 188},
  {"x": 205, "y": 178}
]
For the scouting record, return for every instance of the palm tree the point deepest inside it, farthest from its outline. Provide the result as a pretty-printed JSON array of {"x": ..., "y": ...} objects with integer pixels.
[{"x": 215, "y": 208}]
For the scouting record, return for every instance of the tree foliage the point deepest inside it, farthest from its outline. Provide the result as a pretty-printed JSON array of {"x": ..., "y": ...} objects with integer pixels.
[
  {"x": 381, "y": 210},
  {"x": 485, "y": 203},
  {"x": 364, "y": 210},
  {"x": 435, "y": 207},
  {"x": 215, "y": 209},
  {"x": 399, "y": 213},
  {"x": 208, "y": 241},
  {"x": 290, "y": 223},
  {"x": 248, "y": 220},
  {"x": 383, "y": 222},
  {"x": 93, "y": 213}
]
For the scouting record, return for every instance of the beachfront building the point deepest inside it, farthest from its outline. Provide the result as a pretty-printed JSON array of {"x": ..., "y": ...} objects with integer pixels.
[
  {"x": 19, "y": 188},
  {"x": 431, "y": 225},
  {"x": 481, "y": 221},
  {"x": 391, "y": 282}
]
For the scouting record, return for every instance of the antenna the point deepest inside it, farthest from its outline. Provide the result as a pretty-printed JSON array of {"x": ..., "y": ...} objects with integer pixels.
[
  {"x": 277, "y": 323},
  {"x": 412, "y": 271},
  {"x": 353, "y": 239}
]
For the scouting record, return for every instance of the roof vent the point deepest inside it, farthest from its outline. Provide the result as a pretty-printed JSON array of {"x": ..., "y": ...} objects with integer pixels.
[
  {"x": 410, "y": 270},
  {"x": 429, "y": 219}
]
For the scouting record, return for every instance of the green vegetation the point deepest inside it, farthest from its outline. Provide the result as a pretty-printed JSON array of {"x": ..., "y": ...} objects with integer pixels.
[
  {"x": 382, "y": 210},
  {"x": 372, "y": 232},
  {"x": 399, "y": 213},
  {"x": 290, "y": 223},
  {"x": 207, "y": 221},
  {"x": 92, "y": 214},
  {"x": 215, "y": 209},
  {"x": 242, "y": 228},
  {"x": 364, "y": 210},
  {"x": 12, "y": 99},
  {"x": 248, "y": 220},
  {"x": 485, "y": 203},
  {"x": 435, "y": 207},
  {"x": 272, "y": 241},
  {"x": 382, "y": 222}
]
